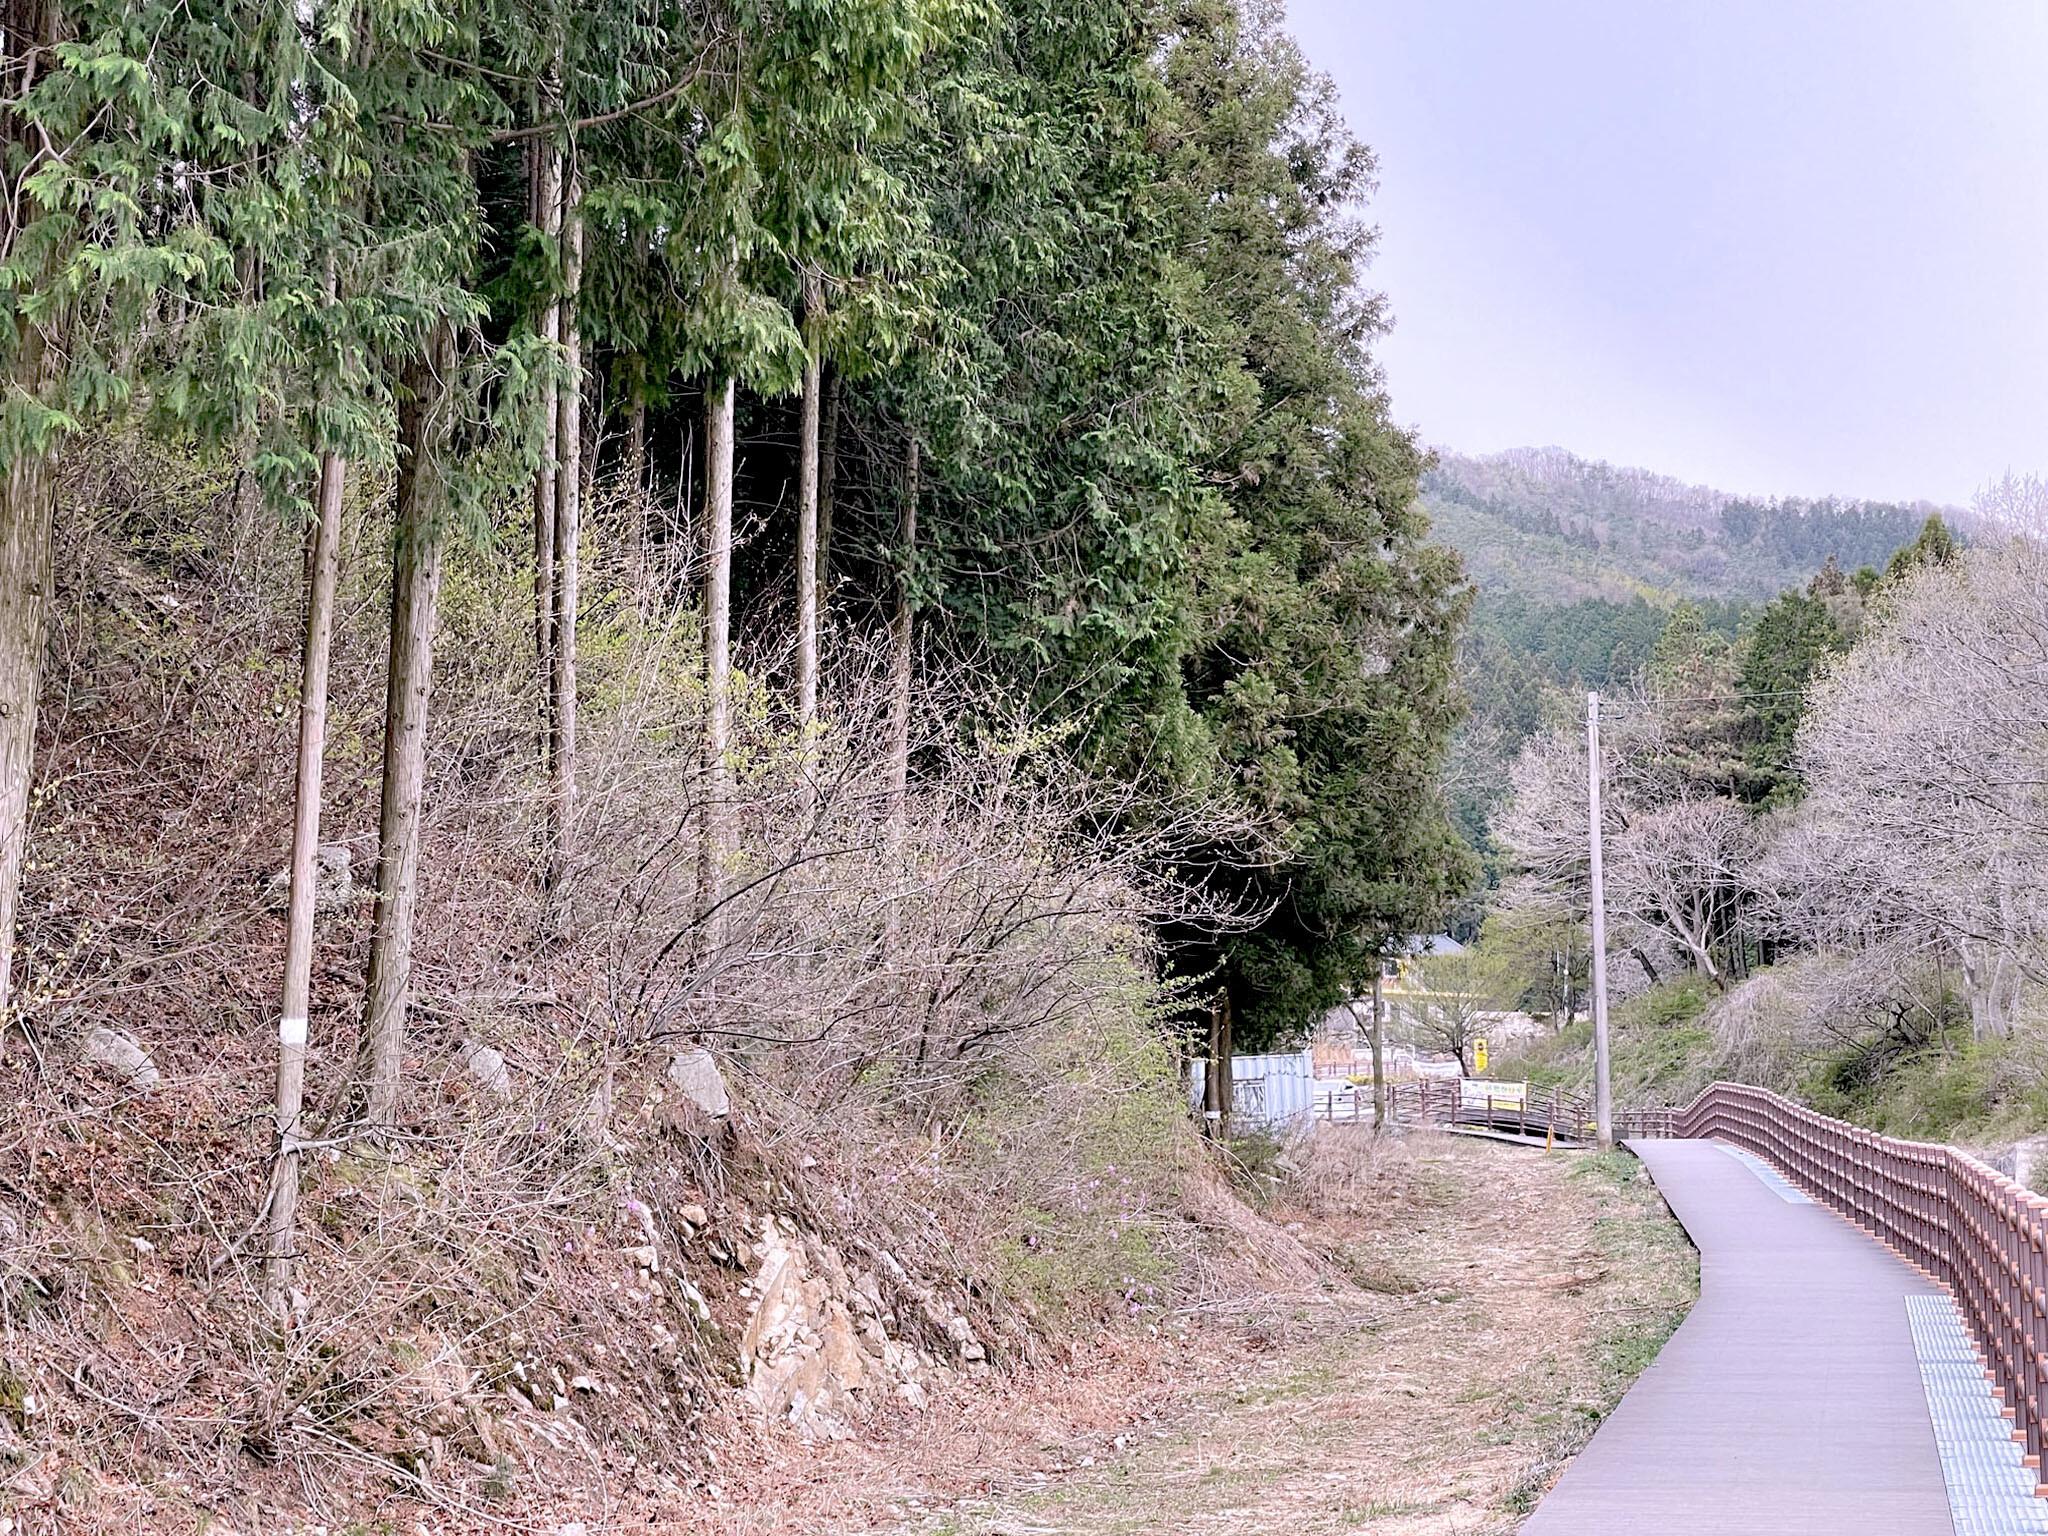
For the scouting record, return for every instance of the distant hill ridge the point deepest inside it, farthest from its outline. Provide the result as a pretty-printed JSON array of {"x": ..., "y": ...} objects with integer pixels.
[{"x": 1551, "y": 527}]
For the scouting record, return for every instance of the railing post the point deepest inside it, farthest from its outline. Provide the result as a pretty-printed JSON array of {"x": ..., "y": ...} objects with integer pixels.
[{"x": 2035, "y": 1343}]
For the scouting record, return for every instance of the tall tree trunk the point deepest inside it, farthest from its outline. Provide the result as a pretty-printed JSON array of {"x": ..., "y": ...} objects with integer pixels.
[
  {"x": 718, "y": 451},
  {"x": 27, "y": 513},
  {"x": 595, "y": 408},
  {"x": 248, "y": 512},
  {"x": 1212, "y": 1080},
  {"x": 902, "y": 638},
  {"x": 415, "y": 597},
  {"x": 546, "y": 179},
  {"x": 1221, "y": 1093},
  {"x": 1568, "y": 1009},
  {"x": 248, "y": 495},
  {"x": 807, "y": 561},
  {"x": 28, "y": 494},
  {"x": 281, "y": 1216},
  {"x": 635, "y": 476},
  {"x": 828, "y": 474},
  {"x": 568, "y": 532},
  {"x": 1703, "y": 962},
  {"x": 1984, "y": 982}
]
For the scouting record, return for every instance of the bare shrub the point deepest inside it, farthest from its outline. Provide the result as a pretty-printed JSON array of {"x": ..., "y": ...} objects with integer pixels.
[
  {"x": 955, "y": 1065},
  {"x": 1771, "y": 1026}
]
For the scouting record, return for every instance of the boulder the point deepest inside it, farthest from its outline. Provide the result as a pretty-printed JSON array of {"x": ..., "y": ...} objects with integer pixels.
[
  {"x": 487, "y": 1066},
  {"x": 695, "y": 1072},
  {"x": 334, "y": 885},
  {"x": 121, "y": 1054}
]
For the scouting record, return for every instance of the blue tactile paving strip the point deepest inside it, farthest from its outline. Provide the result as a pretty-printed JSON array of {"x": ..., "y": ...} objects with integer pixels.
[
  {"x": 1990, "y": 1491},
  {"x": 1778, "y": 1184}
]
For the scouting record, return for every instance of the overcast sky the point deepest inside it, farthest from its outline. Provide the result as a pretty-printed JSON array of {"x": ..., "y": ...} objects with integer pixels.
[{"x": 1792, "y": 246}]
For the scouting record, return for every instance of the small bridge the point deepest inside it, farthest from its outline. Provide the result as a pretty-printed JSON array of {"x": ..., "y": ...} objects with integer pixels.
[
  {"x": 1281, "y": 1089},
  {"x": 1478, "y": 1105},
  {"x": 1868, "y": 1353}
]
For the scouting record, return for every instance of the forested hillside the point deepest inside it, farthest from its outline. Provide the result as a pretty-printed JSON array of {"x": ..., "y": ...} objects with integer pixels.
[
  {"x": 656, "y": 662},
  {"x": 1552, "y": 528},
  {"x": 1580, "y": 567}
]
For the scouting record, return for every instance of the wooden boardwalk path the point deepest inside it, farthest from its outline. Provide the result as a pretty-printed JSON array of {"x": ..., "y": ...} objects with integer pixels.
[{"x": 1791, "y": 1399}]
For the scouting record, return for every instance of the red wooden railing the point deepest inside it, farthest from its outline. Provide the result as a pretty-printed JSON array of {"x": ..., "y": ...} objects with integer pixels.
[
  {"x": 1444, "y": 1101},
  {"x": 1965, "y": 1225}
]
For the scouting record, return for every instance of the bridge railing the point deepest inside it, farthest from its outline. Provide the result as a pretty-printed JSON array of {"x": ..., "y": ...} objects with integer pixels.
[
  {"x": 1452, "y": 1101},
  {"x": 1965, "y": 1225}
]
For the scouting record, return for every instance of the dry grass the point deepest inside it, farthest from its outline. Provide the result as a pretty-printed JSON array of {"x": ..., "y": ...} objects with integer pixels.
[{"x": 1503, "y": 1300}]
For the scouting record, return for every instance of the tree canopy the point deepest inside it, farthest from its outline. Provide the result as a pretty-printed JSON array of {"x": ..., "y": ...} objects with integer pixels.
[{"x": 1099, "y": 271}]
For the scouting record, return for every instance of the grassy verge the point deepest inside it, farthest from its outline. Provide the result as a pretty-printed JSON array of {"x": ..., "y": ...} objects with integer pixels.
[
  {"x": 1503, "y": 1301},
  {"x": 1663, "y": 1051}
]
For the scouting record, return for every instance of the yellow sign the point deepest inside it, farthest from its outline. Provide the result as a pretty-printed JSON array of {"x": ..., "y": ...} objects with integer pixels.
[{"x": 1478, "y": 1055}]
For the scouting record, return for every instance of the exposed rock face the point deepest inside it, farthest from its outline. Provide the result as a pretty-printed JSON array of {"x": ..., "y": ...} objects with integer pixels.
[
  {"x": 697, "y": 1075},
  {"x": 962, "y": 1336},
  {"x": 121, "y": 1054},
  {"x": 815, "y": 1352}
]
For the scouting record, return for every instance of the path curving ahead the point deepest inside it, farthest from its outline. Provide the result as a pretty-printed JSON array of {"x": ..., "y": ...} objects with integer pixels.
[{"x": 1790, "y": 1400}]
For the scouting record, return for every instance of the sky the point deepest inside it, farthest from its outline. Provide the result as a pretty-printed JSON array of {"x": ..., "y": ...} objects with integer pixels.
[{"x": 1787, "y": 247}]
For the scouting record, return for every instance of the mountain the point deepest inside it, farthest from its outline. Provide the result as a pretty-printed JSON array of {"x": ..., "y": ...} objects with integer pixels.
[
  {"x": 1580, "y": 566},
  {"x": 1552, "y": 528}
]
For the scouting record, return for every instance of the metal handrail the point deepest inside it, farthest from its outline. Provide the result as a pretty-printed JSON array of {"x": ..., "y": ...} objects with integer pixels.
[{"x": 1964, "y": 1225}]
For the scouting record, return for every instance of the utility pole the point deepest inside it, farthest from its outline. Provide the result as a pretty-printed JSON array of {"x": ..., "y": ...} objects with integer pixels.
[
  {"x": 1603, "y": 1086},
  {"x": 1379, "y": 1051}
]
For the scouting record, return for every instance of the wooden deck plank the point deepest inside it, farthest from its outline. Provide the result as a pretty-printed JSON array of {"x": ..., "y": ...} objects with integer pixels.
[{"x": 1789, "y": 1401}]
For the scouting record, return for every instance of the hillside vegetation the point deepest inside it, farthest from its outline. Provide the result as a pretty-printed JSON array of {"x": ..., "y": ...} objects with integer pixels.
[
  {"x": 649, "y": 1188},
  {"x": 1823, "y": 847},
  {"x": 1551, "y": 528},
  {"x": 1581, "y": 568},
  {"x": 656, "y": 665}
]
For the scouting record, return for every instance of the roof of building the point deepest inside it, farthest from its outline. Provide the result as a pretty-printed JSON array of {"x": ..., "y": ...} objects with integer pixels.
[{"x": 1432, "y": 944}]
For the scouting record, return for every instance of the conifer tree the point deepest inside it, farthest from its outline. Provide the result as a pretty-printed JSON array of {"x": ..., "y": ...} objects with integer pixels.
[
  {"x": 124, "y": 156},
  {"x": 831, "y": 86}
]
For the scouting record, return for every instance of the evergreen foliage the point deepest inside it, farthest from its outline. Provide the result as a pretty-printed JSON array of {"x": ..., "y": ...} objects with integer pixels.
[
  {"x": 1103, "y": 263},
  {"x": 1323, "y": 622}
]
